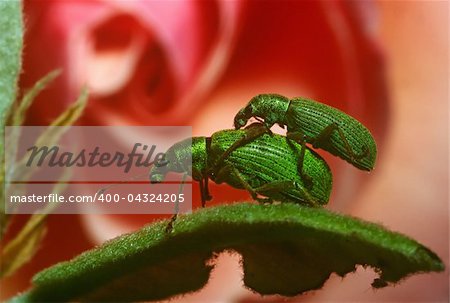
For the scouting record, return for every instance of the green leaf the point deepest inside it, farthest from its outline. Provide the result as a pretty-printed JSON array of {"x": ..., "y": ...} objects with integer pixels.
[
  {"x": 25, "y": 244},
  {"x": 74, "y": 112},
  {"x": 16, "y": 116},
  {"x": 287, "y": 249},
  {"x": 23, "y": 247},
  {"x": 11, "y": 41},
  {"x": 54, "y": 132},
  {"x": 19, "y": 113}
]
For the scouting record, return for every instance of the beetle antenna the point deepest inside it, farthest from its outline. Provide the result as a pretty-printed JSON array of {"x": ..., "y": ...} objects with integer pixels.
[{"x": 104, "y": 189}]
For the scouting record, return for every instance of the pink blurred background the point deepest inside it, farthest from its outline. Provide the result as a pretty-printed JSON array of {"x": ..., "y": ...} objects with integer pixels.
[{"x": 197, "y": 62}]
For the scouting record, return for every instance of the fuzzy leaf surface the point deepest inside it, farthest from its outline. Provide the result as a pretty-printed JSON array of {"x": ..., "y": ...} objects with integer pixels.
[
  {"x": 11, "y": 41},
  {"x": 286, "y": 249}
]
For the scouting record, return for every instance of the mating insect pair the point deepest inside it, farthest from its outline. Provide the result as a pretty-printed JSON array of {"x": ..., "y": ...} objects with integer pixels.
[{"x": 276, "y": 167}]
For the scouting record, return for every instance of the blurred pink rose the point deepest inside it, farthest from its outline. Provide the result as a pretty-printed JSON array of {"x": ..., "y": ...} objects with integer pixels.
[
  {"x": 145, "y": 62},
  {"x": 196, "y": 63}
]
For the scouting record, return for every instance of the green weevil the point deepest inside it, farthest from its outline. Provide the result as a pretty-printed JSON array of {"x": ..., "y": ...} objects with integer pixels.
[
  {"x": 308, "y": 121},
  {"x": 263, "y": 164}
]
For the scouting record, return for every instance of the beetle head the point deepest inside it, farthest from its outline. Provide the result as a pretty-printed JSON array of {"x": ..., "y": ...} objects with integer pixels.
[
  {"x": 160, "y": 169},
  {"x": 157, "y": 174},
  {"x": 242, "y": 117}
]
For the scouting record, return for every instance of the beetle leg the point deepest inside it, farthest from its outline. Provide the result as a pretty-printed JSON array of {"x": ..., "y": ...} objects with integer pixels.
[
  {"x": 204, "y": 191},
  {"x": 229, "y": 170},
  {"x": 252, "y": 132},
  {"x": 169, "y": 226},
  {"x": 259, "y": 128},
  {"x": 324, "y": 138},
  {"x": 174, "y": 217},
  {"x": 283, "y": 185},
  {"x": 260, "y": 120},
  {"x": 275, "y": 186},
  {"x": 206, "y": 187},
  {"x": 309, "y": 199},
  {"x": 300, "y": 137}
]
